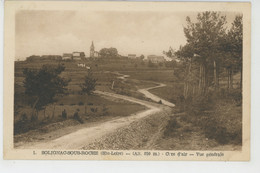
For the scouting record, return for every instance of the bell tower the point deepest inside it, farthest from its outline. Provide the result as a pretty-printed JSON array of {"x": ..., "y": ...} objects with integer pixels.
[{"x": 92, "y": 50}]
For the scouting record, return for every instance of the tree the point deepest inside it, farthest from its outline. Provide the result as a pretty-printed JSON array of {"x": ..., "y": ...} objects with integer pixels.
[
  {"x": 43, "y": 85},
  {"x": 108, "y": 52},
  {"x": 235, "y": 37},
  {"x": 185, "y": 53},
  {"x": 151, "y": 64},
  {"x": 89, "y": 84},
  {"x": 170, "y": 53},
  {"x": 141, "y": 57},
  {"x": 204, "y": 38}
]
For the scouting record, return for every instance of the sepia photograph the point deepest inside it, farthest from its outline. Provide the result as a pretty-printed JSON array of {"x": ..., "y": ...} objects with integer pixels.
[{"x": 105, "y": 82}]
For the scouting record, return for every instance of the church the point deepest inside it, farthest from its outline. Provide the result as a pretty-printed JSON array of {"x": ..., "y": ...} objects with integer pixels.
[{"x": 93, "y": 53}]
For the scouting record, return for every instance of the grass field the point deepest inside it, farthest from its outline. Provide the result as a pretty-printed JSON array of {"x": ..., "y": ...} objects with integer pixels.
[
  {"x": 92, "y": 106},
  {"x": 172, "y": 92},
  {"x": 220, "y": 121}
]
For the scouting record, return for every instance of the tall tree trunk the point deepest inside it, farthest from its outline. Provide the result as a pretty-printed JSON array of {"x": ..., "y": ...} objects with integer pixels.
[
  {"x": 44, "y": 112},
  {"x": 186, "y": 86},
  {"x": 216, "y": 76},
  {"x": 188, "y": 83},
  {"x": 241, "y": 77},
  {"x": 53, "y": 111},
  {"x": 185, "y": 89},
  {"x": 33, "y": 116},
  {"x": 193, "y": 90},
  {"x": 200, "y": 80},
  {"x": 228, "y": 78},
  {"x": 112, "y": 86},
  {"x": 203, "y": 80},
  {"x": 231, "y": 78}
]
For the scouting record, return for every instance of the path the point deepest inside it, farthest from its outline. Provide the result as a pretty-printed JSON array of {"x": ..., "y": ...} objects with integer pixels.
[
  {"x": 145, "y": 91},
  {"x": 83, "y": 137},
  {"x": 154, "y": 97}
]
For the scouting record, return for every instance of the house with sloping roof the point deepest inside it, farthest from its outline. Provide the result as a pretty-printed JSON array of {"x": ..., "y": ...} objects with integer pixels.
[
  {"x": 78, "y": 55},
  {"x": 131, "y": 56},
  {"x": 155, "y": 58},
  {"x": 67, "y": 56}
]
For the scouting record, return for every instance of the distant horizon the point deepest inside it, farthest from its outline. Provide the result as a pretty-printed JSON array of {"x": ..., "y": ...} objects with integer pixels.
[
  {"x": 145, "y": 56},
  {"x": 57, "y": 32}
]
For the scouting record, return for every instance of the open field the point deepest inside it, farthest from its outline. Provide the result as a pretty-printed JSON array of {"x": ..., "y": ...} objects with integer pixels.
[
  {"x": 172, "y": 92},
  {"x": 90, "y": 107},
  {"x": 204, "y": 128}
]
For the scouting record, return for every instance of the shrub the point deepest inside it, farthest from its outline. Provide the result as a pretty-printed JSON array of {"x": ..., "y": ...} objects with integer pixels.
[
  {"x": 78, "y": 117},
  {"x": 171, "y": 127},
  {"x": 218, "y": 117},
  {"x": 93, "y": 110},
  {"x": 104, "y": 110},
  {"x": 80, "y": 103},
  {"x": 89, "y": 84},
  {"x": 214, "y": 130},
  {"x": 64, "y": 114},
  {"x": 21, "y": 125}
]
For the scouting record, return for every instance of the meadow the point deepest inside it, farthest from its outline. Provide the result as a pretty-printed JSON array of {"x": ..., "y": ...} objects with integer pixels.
[{"x": 90, "y": 106}]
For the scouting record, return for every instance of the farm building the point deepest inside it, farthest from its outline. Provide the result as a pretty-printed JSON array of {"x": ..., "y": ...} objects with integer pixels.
[
  {"x": 131, "y": 56},
  {"x": 155, "y": 58},
  {"x": 78, "y": 55},
  {"x": 51, "y": 57},
  {"x": 67, "y": 56}
]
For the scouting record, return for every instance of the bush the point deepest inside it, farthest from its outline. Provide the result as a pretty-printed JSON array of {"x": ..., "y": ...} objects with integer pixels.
[
  {"x": 89, "y": 84},
  {"x": 214, "y": 130},
  {"x": 171, "y": 127},
  {"x": 104, "y": 110},
  {"x": 21, "y": 125},
  {"x": 64, "y": 114},
  {"x": 93, "y": 110},
  {"x": 198, "y": 105},
  {"x": 219, "y": 118},
  {"x": 80, "y": 103},
  {"x": 78, "y": 117}
]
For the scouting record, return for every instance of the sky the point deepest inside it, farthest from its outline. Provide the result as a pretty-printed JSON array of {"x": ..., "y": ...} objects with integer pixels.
[{"x": 58, "y": 32}]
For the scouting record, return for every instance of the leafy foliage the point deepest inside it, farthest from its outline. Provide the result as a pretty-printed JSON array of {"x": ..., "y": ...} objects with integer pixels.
[
  {"x": 108, "y": 52},
  {"x": 89, "y": 84},
  {"x": 43, "y": 84}
]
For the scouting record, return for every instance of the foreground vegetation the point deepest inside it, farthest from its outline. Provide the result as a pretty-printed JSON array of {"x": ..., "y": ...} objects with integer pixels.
[
  {"x": 211, "y": 78},
  {"x": 76, "y": 96}
]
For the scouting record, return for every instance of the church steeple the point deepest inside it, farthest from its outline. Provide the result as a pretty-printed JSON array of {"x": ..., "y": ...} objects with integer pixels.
[
  {"x": 92, "y": 50},
  {"x": 92, "y": 46}
]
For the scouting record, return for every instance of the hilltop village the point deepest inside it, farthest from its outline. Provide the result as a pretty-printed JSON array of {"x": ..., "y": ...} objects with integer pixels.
[{"x": 110, "y": 53}]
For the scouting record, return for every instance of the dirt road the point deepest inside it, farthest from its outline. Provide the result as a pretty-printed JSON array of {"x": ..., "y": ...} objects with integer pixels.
[
  {"x": 154, "y": 97},
  {"x": 85, "y": 136},
  {"x": 145, "y": 91},
  {"x": 82, "y": 137}
]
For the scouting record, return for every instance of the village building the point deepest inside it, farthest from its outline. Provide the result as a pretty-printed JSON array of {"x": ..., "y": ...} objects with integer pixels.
[
  {"x": 51, "y": 57},
  {"x": 78, "y": 55},
  {"x": 93, "y": 53},
  {"x": 155, "y": 58},
  {"x": 131, "y": 56},
  {"x": 67, "y": 56}
]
